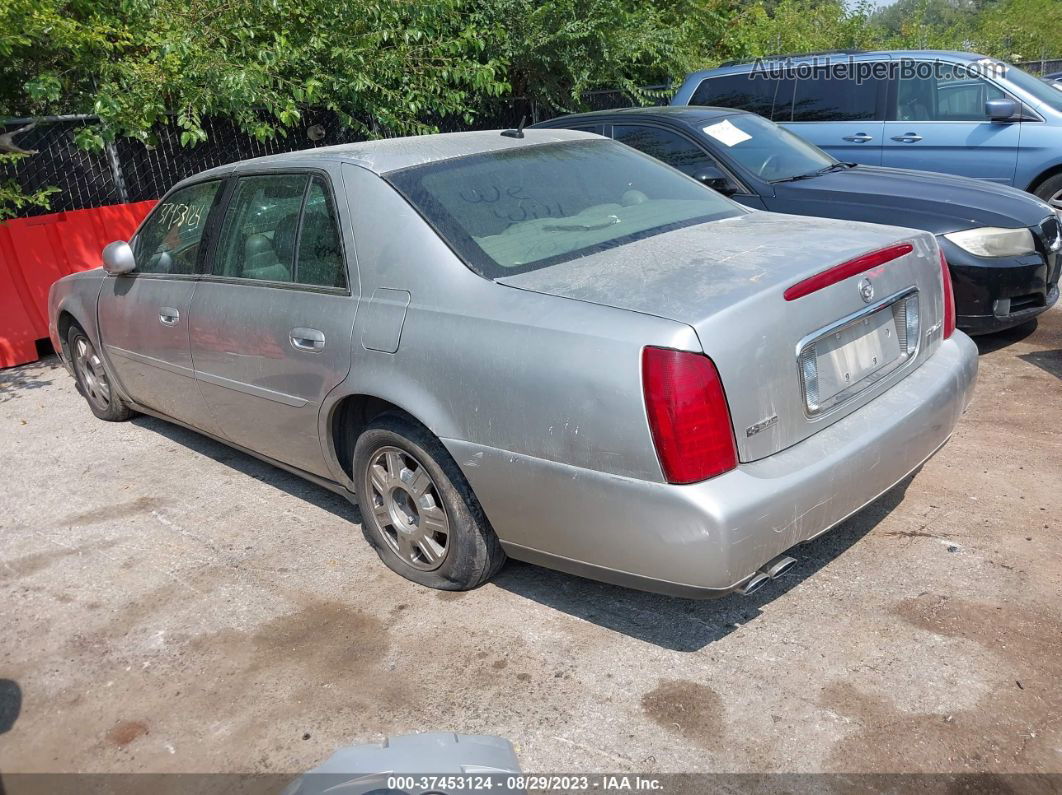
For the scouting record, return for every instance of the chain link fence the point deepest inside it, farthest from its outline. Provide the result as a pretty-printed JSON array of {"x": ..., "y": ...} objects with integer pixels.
[{"x": 129, "y": 171}]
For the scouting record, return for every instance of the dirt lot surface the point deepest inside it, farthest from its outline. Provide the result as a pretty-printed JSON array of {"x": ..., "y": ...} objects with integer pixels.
[{"x": 172, "y": 605}]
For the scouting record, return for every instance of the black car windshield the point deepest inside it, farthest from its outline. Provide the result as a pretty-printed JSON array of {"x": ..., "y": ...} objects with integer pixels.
[
  {"x": 523, "y": 209},
  {"x": 767, "y": 150}
]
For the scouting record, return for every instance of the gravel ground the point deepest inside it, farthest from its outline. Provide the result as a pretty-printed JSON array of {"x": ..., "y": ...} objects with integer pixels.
[{"x": 170, "y": 604}]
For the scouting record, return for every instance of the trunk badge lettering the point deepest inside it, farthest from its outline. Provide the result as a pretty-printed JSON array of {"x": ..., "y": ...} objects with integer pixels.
[
  {"x": 762, "y": 425},
  {"x": 866, "y": 290}
]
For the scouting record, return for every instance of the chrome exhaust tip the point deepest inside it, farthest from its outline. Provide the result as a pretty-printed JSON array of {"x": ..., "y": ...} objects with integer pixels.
[
  {"x": 777, "y": 567},
  {"x": 753, "y": 583}
]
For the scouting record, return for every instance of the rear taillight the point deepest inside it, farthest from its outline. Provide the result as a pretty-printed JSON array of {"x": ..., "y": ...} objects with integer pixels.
[
  {"x": 949, "y": 297},
  {"x": 688, "y": 415},
  {"x": 846, "y": 269}
]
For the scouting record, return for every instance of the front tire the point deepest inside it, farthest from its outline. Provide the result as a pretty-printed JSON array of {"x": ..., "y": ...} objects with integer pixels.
[
  {"x": 1050, "y": 191},
  {"x": 418, "y": 511},
  {"x": 92, "y": 379}
]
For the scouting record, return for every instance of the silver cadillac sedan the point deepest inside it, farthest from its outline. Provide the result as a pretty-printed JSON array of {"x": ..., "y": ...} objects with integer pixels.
[{"x": 544, "y": 345}]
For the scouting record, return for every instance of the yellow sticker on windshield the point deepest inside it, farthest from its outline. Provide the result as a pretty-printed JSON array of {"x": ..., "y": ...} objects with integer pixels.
[{"x": 727, "y": 133}]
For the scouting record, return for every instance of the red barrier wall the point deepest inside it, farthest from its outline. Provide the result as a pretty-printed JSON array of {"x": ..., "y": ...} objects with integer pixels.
[{"x": 35, "y": 252}]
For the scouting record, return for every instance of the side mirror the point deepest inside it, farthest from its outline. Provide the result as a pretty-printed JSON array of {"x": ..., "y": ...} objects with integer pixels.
[
  {"x": 118, "y": 258},
  {"x": 715, "y": 179},
  {"x": 1001, "y": 109}
]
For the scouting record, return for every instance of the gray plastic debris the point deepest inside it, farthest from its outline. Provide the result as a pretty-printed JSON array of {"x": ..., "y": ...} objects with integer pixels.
[{"x": 414, "y": 764}]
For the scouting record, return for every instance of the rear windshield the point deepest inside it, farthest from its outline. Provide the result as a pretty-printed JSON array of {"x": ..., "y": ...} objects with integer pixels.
[{"x": 523, "y": 209}]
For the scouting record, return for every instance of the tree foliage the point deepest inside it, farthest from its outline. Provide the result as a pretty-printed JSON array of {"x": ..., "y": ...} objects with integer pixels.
[
  {"x": 13, "y": 198},
  {"x": 135, "y": 63},
  {"x": 401, "y": 63}
]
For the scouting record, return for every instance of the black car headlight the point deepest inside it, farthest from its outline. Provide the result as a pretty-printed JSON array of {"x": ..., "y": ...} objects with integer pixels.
[{"x": 993, "y": 241}]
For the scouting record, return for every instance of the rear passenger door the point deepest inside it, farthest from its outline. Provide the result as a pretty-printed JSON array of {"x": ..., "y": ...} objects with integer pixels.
[
  {"x": 837, "y": 111},
  {"x": 271, "y": 323}
]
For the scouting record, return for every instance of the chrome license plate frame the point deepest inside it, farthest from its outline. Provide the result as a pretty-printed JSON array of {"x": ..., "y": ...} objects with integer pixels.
[{"x": 865, "y": 346}]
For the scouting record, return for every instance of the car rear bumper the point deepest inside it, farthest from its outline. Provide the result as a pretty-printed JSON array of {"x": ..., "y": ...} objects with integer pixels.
[{"x": 707, "y": 539}]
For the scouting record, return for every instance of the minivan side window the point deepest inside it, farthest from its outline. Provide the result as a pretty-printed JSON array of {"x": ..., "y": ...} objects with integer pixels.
[
  {"x": 748, "y": 91},
  {"x": 948, "y": 94},
  {"x": 320, "y": 260},
  {"x": 168, "y": 242},
  {"x": 261, "y": 225},
  {"x": 834, "y": 96}
]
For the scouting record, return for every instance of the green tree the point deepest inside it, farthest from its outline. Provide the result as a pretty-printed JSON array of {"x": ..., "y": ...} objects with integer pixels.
[
  {"x": 1017, "y": 30},
  {"x": 137, "y": 63},
  {"x": 557, "y": 51}
]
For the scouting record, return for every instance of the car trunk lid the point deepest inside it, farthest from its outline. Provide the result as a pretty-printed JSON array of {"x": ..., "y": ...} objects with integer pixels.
[{"x": 789, "y": 367}]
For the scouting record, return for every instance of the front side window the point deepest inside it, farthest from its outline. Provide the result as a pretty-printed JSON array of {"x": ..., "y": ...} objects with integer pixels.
[
  {"x": 833, "y": 94},
  {"x": 523, "y": 209},
  {"x": 947, "y": 94},
  {"x": 260, "y": 230},
  {"x": 669, "y": 147},
  {"x": 168, "y": 242}
]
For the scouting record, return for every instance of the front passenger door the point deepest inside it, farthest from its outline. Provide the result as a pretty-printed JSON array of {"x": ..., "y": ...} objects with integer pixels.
[
  {"x": 271, "y": 324},
  {"x": 940, "y": 125}
]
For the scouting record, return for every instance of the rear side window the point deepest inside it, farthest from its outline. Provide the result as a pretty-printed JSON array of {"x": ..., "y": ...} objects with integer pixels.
[
  {"x": 320, "y": 260},
  {"x": 168, "y": 242},
  {"x": 259, "y": 234},
  {"x": 670, "y": 147},
  {"x": 751, "y": 92},
  {"x": 832, "y": 95}
]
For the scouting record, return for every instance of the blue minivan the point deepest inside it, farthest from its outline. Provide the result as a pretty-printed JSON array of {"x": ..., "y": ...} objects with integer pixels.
[{"x": 954, "y": 112}]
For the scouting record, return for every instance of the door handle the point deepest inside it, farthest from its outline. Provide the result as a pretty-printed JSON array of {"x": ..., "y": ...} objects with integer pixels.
[
  {"x": 168, "y": 316},
  {"x": 907, "y": 138},
  {"x": 859, "y": 138},
  {"x": 306, "y": 339}
]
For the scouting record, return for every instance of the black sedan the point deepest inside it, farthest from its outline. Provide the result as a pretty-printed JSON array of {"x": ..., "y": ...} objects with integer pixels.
[{"x": 1002, "y": 245}]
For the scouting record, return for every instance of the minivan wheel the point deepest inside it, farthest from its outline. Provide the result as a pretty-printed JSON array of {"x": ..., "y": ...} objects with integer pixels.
[
  {"x": 418, "y": 511},
  {"x": 1050, "y": 191},
  {"x": 92, "y": 379}
]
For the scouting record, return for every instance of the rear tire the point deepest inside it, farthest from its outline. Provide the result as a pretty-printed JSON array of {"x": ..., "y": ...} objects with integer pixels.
[
  {"x": 418, "y": 511},
  {"x": 1050, "y": 191},
  {"x": 92, "y": 380}
]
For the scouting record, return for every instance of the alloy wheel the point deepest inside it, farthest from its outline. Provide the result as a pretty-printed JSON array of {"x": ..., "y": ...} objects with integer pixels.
[
  {"x": 93, "y": 376},
  {"x": 407, "y": 508},
  {"x": 1055, "y": 202}
]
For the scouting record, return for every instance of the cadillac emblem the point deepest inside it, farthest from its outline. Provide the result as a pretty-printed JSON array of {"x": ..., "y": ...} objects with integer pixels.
[{"x": 866, "y": 291}]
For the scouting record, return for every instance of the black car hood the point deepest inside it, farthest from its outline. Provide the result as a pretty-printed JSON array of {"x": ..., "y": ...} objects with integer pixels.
[{"x": 937, "y": 203}]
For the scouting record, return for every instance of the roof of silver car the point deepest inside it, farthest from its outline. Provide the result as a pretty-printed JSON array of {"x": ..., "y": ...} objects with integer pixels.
[{"x": 391, "y": 154}]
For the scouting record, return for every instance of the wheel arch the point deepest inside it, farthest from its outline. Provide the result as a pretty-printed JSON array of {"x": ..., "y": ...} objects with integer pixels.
[
  {"x": 63, "y": 323},
  {"x": 349, "y": 415},
  {"x": 1045, "y": 175}
]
